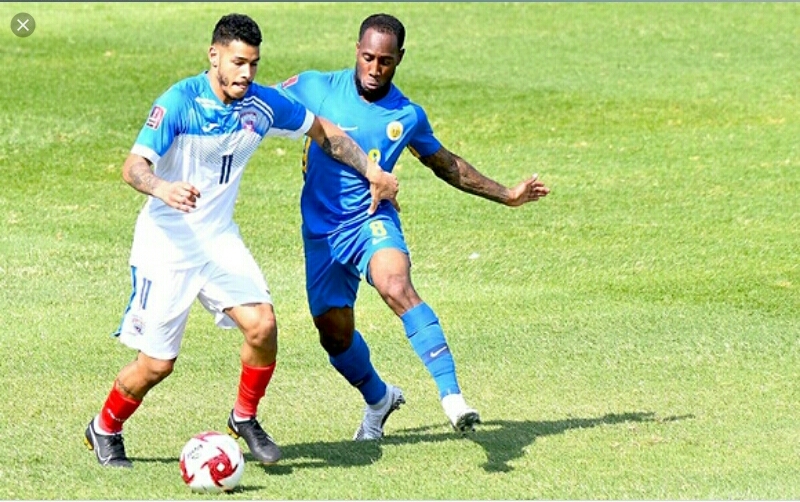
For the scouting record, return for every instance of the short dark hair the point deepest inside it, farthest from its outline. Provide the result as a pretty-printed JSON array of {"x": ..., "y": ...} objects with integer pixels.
[
  {"x": 384, "y": 23},
  {"x": 236, "y": 27}
]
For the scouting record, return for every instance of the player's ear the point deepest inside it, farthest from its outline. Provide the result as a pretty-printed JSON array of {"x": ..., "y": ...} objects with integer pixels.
[
  {"x": 213, "y": 56},
  {"x": 400, "y": 58}
]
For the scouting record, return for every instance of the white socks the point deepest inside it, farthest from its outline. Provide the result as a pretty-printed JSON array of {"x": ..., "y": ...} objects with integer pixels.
[
  {"x": 237, "y": 418},
  {"x": 98, "y": 429},
  {"x": 454, "y": 406}
]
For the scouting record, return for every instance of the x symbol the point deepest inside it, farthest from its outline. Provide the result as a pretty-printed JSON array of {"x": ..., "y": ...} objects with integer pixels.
[{"x": 22, "y": 25}]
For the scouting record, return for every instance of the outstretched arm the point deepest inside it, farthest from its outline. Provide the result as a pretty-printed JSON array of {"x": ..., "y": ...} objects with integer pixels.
[
  {"x": 462, "y": 175},
  {"x": 341, "y": 147}
]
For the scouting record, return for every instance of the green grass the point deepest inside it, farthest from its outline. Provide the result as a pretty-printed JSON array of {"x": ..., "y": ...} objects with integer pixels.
[{"x": 632, "y": 336}]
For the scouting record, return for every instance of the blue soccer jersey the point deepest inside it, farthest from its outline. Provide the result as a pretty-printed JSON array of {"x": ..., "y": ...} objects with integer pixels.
[
  {"x": 335, "y": 197},
  {"x": 190, "y": 135}
]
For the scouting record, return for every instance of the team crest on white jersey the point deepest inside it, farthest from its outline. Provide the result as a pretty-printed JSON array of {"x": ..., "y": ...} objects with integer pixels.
[
  {"x": 254, "y": 111},
  {"x": 137, "y": 324},
  {"x": 394, "y": 130},
  {"x": 248, "y": 120}
]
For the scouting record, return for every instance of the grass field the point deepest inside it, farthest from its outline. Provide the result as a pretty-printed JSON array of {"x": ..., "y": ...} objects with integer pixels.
[{"x": 635, "y": 335}]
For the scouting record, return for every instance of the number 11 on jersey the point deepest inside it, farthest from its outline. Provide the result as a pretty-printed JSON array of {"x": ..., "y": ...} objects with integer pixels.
[{"x": 225, "y": 173}]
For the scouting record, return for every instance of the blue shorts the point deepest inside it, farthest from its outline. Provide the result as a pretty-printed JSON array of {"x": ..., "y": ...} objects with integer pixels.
[{"x": 336, "y": 263}]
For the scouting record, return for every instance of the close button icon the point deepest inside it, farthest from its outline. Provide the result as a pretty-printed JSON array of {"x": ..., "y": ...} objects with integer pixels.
[{"x": 22, "y": 25}]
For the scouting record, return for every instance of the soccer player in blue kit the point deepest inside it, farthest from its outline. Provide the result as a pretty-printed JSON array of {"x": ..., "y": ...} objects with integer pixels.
[
  {"x": 189, "y": 159},
  {"x": 342, "y": 242}
]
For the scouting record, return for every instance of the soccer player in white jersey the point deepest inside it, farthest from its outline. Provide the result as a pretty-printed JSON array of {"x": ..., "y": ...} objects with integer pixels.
[
  {"x": 343, "y": 242},
  {"x": 189, "y": 158}
]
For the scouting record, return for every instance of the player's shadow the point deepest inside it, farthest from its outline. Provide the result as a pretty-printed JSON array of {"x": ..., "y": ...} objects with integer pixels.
[
  {"x": 154, "y": 460},
  {"x": 502, "y": 440}
]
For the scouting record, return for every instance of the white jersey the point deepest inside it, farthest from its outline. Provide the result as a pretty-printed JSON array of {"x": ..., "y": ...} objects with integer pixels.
[{"x": 192, "y": 136}]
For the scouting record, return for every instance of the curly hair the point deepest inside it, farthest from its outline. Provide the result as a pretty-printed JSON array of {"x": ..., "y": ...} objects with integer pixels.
[
  {"x": 384, "y": 23},
  {"x": 236, "y": 27}
]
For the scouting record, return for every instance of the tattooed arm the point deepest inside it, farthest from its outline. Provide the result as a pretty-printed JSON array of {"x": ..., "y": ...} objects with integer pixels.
[
  {"x": 462, "y": 175},
  {"x": 138, "y": 173},
  {"x": 343, "y": 148}
]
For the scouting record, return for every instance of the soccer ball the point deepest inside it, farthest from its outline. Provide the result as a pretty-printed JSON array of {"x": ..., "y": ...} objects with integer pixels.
[{"x": 212, "y": 462}]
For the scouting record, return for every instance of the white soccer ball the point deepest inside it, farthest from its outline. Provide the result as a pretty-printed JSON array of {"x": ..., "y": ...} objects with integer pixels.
[{"x": 212, "y": 462}]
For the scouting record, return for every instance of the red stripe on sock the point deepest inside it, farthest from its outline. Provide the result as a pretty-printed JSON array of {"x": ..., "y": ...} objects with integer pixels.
[
  {"x": 116, "y": 410},
  {"x": 252, "y": 387}
]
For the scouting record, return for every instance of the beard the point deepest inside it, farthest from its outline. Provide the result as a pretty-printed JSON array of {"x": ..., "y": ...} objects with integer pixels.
[
  {"x": 224, "y": 85},
  {"x": 374, "y": 94}
]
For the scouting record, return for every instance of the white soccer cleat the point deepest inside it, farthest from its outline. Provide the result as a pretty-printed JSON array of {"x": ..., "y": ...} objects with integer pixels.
[
  {"x": 462, "y": 417},
  {"x": 372, "y": 425}
]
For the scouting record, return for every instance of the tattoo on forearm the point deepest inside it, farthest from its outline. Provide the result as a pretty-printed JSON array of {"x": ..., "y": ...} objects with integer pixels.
[
  {"x": 346, "y": 151},
  {"x": 460, "y": 174},
  {"x": 142, "y": 178},
  {"x": 445, "y": 166}
]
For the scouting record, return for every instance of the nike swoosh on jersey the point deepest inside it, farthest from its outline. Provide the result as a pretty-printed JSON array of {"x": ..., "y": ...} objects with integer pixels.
[
  {"x": 435, "y": 353},
  {"x": 378, "y": 240},
  {"x": 345, "y": 129}
]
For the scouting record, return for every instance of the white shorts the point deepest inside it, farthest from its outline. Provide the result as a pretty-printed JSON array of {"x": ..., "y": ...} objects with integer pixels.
[{"x": 155, "y": 318}]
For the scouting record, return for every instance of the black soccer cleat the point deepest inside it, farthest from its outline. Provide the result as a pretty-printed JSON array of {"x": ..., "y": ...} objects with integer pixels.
[
  {"x": 467, "y": 421},
  {"x": 110, "y": 450},
  {"x": 261, "y": 444}
]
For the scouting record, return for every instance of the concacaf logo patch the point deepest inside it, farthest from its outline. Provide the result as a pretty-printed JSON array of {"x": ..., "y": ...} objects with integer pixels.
[
  {"x": 156, "y": 116},
  {"x": 289, "y": 81},
  {"x": 394, "y": 130}
]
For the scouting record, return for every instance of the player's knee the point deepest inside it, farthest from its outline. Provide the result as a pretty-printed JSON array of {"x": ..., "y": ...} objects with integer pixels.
[
  {"x": 155, "y": 370},
  {"x": 335, "y": 343},
  {"x": 398, "y": 293},
  {"x": 262, "y": 332},
  {"x": 335, "y": 320},
  {"x": 335, "y": 330}
]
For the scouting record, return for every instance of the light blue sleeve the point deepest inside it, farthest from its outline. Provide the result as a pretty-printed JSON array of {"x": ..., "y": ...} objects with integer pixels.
[
  {"x": 166, "y": 121},
  {"x": 423, "y": 142},
  {"x": 289, "y": 118},
  {"x": 309, "y": 88}
]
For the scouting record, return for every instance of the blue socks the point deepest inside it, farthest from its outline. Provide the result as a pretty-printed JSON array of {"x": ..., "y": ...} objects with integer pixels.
[
  {"x": 355, "y": 366},
  {"x": 427, "y": 338}
]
